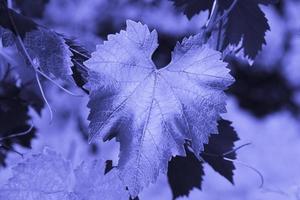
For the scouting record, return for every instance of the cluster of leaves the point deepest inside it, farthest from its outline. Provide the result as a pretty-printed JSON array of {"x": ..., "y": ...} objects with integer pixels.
[
  {"x": 155, "y": 114},
  {"x": 236, "y": 22},
  {"x": 191, "y": 168},
  {"x": 48, "y": 176},
  {"x": 30, "y": 54}
]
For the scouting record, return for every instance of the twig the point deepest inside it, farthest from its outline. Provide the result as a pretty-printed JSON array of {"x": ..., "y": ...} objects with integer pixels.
[
  {"x": 43, "y": 95},
  {"x": 59, "y": 86},
  {"x": 236, "y": 149},
  {"x": 250, "y": 167},
  {"x": 211, "y": 21},
  {"x": 226, "y": 13},
  {"x": 214, "y": 19},
  {"x": 11, "y": 148},
  {"x": 24, "y": 52},
  {"x": 18, "y": 134}
]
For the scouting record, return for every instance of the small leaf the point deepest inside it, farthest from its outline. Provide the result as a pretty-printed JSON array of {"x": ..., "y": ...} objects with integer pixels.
[
  {"x": 246, "y": 23},
  {"x": 217, "y": 146},
  {"x": 192, "y": 7},
  {"x": 184, "y": 174},
  {"x": 79, "y": 56},
  {"x": 49, "y": 52}
]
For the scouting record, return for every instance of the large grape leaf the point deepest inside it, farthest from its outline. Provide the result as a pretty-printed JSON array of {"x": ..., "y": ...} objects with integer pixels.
[
  {"x": 48, "y": 176},
  {"x": 150, "y": 111}
]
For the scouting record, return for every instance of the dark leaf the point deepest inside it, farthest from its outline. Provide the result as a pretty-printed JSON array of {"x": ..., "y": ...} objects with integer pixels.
[
  {"x": 246, "y": 23},
  {"x": 184, "y": 174},
  {"x": 80, "y": 55},
  {"x": 217, "y": 146},
  {"x": 192, "y": 7}
]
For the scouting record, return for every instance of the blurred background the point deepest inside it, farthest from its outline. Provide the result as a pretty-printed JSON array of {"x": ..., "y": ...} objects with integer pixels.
[{"x": 263, "y": 103}]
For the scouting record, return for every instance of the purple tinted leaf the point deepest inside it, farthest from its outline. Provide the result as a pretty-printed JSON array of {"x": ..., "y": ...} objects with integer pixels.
[
  {"x": 144, "y": 107},
  {"x": 217, "y": 146},
  {"x": 184, "y": 174},
  {"x": 192, "y": 7}
]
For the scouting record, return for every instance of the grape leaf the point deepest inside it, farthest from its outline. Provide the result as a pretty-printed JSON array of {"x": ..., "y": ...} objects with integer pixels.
[
  {"x": 49, "y": 52},
  {"x": 48, "y": 176},
  {"x": 246, "y": 23},
  {"x": 29, "y": 92},
  {"x": 45, "y": 176},
  {"x": 218, "y": 145},
  {"x": 46, "y": 48},
  {"x": 192, "y": 7},
  {"x": 185, "y": 173},
  {"x": 152, "y": 112}
]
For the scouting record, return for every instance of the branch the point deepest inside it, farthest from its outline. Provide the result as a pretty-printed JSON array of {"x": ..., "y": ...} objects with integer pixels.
[
  {"x": 226, "y": 13},
  {"x": 214, "y": 19}
]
